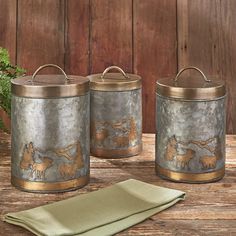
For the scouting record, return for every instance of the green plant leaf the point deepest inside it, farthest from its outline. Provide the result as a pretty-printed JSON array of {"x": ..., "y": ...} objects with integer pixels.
[{"x": 7, "y": 72}]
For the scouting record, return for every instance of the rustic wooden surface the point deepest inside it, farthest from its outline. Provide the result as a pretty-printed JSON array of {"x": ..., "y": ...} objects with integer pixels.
[
  {"x": 209, "y": 209},
  {"x": 152, "y": 38}
]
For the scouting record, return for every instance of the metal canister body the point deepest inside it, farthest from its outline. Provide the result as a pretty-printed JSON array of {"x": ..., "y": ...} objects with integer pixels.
[
  {"x": 50, "y": 133},
  {"x": 116, "y": 115},
  {"x": 190, "y": 124}
]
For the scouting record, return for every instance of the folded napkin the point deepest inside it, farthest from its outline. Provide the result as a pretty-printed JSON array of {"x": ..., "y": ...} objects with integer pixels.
[{"x": 103, "y": 212}]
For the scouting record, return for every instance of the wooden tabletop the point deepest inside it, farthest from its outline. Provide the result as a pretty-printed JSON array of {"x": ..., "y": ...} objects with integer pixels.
[{"x": 209, "y": 209}]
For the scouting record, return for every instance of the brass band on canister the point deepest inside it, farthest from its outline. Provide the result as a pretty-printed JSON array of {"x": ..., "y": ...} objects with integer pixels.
[
  {"x": 190, "y": 177},
  {"x": 45, "y": 187},
  {"x": 106, "y": 153}
]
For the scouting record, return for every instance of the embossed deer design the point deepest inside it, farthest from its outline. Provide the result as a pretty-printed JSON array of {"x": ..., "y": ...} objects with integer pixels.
[
  {"x": 184, "y": 159},
  {"x": 68, "y": 170},
  {"x": 98, "y": 137},
  {"x": 101, "y": 136},
  {"x": 119, "y": 125},
  {"x": 208, "y": 162},
  {"x": 27, "y": 158},
  {"x": 171, "y": 149},
  {"x": 130, "y": 138},
  {"x": 121, "y": 141},
  {"x": 40, "y": 168}
]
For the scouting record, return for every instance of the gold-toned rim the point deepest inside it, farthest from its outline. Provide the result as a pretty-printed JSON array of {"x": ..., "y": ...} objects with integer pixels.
[
  {"x": 116, "y": 153},
  {"x": 98, "y": 84},
  {"x": 209, "y": 90},
  {"x": 213, "y": 90},
  {"x": 190, "y": 93},
  {"x": 20, "y": 88},
  {"x": 49, "y": 187},
  {"x": 190, "y": 177}
]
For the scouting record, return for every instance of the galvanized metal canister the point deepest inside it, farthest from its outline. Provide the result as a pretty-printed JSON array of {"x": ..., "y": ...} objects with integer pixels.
[
  {"x": 116, "y": 114},
  {"x": 190, "y": 128},
  {"x": 50, "y": 132}
]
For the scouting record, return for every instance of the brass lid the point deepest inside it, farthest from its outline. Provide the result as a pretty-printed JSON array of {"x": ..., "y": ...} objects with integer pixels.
[
  {"x": 49, "y": 86},
  {"x": 191, "y": 88},
  {"x": 114, "y": 81}
]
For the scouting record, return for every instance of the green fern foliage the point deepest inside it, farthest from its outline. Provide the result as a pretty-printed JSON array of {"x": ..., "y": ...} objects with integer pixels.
[{"x": 7, "y": 72}]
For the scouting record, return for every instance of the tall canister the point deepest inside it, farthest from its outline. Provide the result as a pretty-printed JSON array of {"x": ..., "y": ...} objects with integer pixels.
[
  {"x": 190, "y": 128},
  {"x": 50, "y": 132},
  {"x": 116, "y": 114}
]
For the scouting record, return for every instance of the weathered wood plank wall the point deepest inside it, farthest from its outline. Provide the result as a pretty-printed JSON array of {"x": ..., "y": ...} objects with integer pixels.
[
  {"x": 77, "y": 34},
  {"x": 149, "y": 37},
  {"x": 40, "y": 33},
  {"x": 207, "y": 40},
  {"x": 8, "y": 20},
  {"x": 154, "y": 52}
]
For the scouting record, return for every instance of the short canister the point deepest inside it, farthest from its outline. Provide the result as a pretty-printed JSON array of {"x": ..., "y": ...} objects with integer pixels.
[
  {"x": 50, "y": 132},
  {"x": 116, "y": 114},
  {"x": 190, "y": 128}
]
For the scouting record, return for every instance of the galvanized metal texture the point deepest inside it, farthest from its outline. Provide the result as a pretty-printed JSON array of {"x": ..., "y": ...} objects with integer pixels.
[
  {"x": 50, "y": 143},
  {"x": 116, "y": 123},
  {"x": 190, "y": 136}
]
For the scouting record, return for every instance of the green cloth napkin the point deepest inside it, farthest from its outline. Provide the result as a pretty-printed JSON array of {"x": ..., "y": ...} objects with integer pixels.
[{"x": 103, "y": 212}]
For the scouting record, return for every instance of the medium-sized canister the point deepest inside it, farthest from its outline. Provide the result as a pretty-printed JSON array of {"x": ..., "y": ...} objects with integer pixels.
[
  {"x": 190, "y": 128},
  {"x": 50, "y": 132},
  {"x": 116, "y": 114}
]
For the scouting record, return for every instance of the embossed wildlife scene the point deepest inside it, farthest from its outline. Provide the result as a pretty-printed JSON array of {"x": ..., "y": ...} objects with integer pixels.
[
  {"x": 190, "y": 135},
  {"x": 58, "y": 164},
  {"x": 53, "y": 144},
  {"x": 194, "y": 154},
  {"x": 116, "y": 123},
  {"x": 116, "y": 134}
]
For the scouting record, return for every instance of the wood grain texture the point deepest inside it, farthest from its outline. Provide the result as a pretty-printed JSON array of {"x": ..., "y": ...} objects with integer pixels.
[
  {"x": 206, "y": 39},
  {"x": 77, "y": 37},
  {"x": 8, "y": 12},
  {"x": 40, "y": 33},
  {"x": 111, "y": 34},
  {"x": 209, "y": 209},
  {"x": 146, "y": 37},
  {"x": 155, "y": 49}
]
